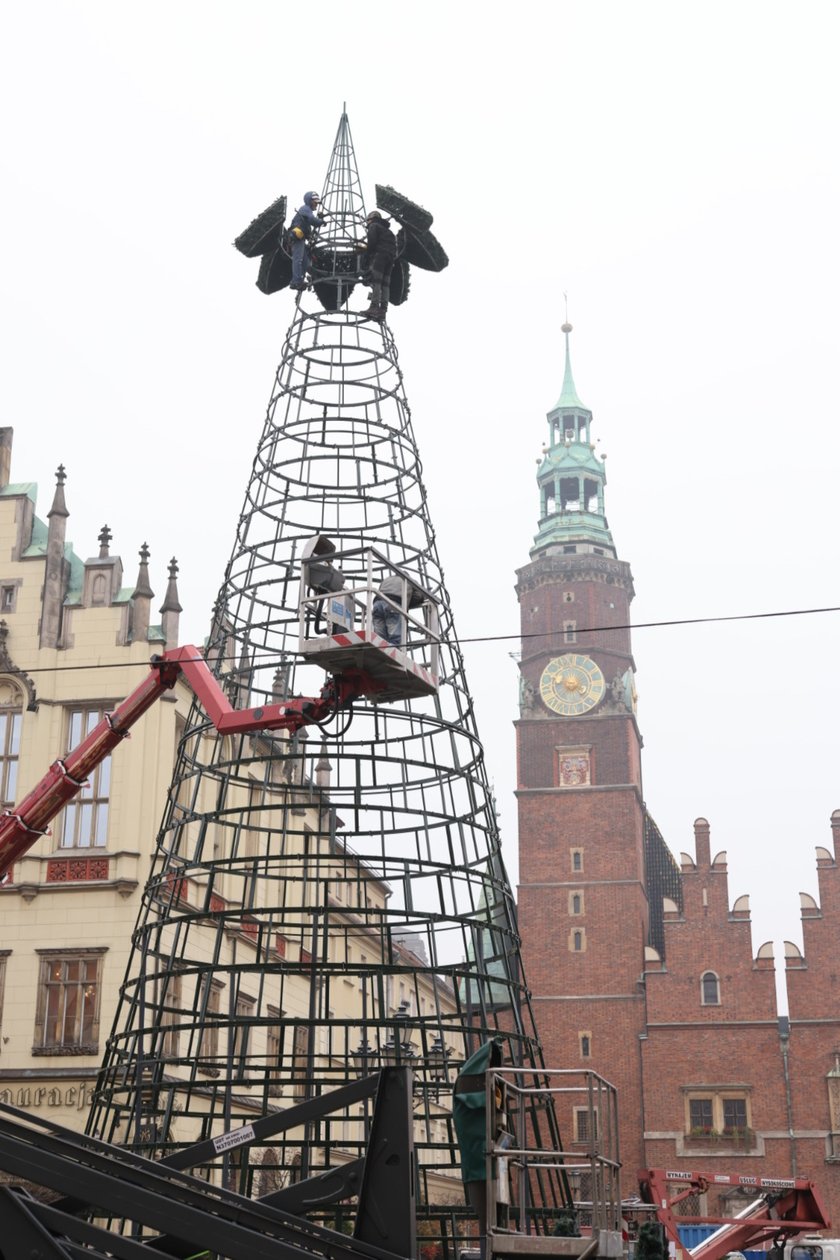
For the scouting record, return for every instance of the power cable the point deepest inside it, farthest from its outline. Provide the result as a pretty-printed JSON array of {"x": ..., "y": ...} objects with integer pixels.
[{"x": 272, "y": 656}]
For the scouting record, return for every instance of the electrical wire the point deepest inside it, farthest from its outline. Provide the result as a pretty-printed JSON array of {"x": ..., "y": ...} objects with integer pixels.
[{"x": 272, "y": 656}]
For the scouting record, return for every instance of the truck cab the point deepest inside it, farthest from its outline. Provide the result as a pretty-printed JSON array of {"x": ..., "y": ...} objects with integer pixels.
[{"x": 812, "y": 1247}]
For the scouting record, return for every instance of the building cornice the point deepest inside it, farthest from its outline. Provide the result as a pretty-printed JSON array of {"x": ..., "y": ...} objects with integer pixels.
[
  {"x": 581, "y": 567},
  {"x": 588, "y": 997},
  {"x": 588, "y": 789}
]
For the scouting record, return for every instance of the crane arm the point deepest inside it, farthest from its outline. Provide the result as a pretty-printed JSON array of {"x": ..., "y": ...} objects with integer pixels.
[
  {"x": 783, "y": 1206},
  {"x": 23, "y": 825}
]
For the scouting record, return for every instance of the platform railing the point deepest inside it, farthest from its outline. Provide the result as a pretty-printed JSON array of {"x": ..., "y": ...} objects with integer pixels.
[
  {"x": 349, "y": 608},
  {"x": 521, "y": 1150}
]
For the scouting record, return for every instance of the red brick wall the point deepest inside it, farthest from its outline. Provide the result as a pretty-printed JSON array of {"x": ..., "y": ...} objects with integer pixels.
[
  {"x": 739, "y": 1044},
  {"x": 813, "y": 989},
  {"x": 716, "y": 1049},
  {"x": 613, "y": 738}
]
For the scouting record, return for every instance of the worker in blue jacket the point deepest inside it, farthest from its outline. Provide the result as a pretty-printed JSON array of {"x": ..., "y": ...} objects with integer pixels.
[{"x": 303, "y": 224}]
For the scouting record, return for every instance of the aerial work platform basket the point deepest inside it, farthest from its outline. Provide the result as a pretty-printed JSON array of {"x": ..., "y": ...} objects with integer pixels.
[{"x": 346, "y": 611}]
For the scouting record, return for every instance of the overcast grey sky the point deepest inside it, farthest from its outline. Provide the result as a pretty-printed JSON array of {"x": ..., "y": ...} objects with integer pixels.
[{"x": 672, "y": 166}]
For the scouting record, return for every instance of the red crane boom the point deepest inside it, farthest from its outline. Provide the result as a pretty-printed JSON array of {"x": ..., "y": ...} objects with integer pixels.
[
  {"x": 781, "y": 1207},
  {"x": 22, "y": 826}
]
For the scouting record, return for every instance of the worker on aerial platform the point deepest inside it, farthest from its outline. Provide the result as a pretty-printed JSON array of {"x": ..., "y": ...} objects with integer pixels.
[
  {"x": 388, "y": 622},
  {"x": 381, "y": 252},
  {"x": 322, "y": 576},
  {"x": 306, "y": 219}
]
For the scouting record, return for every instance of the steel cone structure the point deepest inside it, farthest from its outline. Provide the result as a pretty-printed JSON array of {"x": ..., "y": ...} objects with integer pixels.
[{"x": 321, "y": 906}]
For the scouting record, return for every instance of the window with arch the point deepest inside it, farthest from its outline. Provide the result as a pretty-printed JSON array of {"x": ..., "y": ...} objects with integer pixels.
[
  {"x": 709, "y": 989},
  {"x": 11, "y": 719},
  {"x": 577, "y": 940},
  {"x": 585, "y": 1039},
  {"x": 577, "y": 859},
  {"x": 576, "y": 901}
]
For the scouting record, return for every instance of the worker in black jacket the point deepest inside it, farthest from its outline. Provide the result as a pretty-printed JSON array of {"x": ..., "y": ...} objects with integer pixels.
[{"x": 381, "y": 250}]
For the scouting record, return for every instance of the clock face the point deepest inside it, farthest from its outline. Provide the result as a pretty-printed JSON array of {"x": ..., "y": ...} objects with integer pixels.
[{"x": 571, "y": 685}]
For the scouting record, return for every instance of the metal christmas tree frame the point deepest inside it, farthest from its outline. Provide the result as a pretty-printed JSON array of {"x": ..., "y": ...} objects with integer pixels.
[{"x": 320, "y": 907}]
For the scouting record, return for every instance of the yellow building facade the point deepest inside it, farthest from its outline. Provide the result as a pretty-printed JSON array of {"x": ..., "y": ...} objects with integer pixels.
[{"x": 74, "y": 641}]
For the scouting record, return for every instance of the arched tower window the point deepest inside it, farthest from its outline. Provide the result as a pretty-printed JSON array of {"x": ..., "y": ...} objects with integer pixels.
[
  {"x": 99, "y": 592},
  {"x": 709, "y": 989},
  {"x": 569, "y": 494}
]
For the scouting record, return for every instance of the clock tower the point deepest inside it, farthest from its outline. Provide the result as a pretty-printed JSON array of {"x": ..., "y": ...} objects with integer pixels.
[{"x": 583, "y": 904}]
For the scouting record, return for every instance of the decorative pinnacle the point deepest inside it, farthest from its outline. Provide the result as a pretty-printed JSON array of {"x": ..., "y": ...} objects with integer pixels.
[
  {"x": 171, "y": 603},
  {"x": 104, "y": 541},
  {"x": 143, "y": 588},
  {"x": 59, "y": 506}
]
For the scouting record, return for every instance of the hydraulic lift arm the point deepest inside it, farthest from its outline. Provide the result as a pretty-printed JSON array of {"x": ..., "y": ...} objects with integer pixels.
[
  {"x": 781, "y": 1207},
  {"x": 22, "y": 826}
]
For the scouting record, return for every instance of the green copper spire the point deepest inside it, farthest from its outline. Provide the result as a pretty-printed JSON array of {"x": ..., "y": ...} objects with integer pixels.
[
  {"x": 568, "y": 394},
  {"x": 571, "y": 478}
]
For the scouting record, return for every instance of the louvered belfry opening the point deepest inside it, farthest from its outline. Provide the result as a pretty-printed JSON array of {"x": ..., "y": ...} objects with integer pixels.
[{"x": 323, "y": 904}]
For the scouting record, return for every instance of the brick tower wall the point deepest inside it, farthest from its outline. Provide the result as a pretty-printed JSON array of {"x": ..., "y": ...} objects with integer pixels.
[{"x": 813, "y": 989}]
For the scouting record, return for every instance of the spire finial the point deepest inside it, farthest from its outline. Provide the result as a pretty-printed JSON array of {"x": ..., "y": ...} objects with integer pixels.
[
  {"x": 60, "y": 475},
  {"x": 104, "y": 541}
]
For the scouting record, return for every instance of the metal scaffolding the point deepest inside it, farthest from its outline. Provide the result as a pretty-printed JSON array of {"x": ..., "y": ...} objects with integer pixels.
[{"x": 323, "y": 906}]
